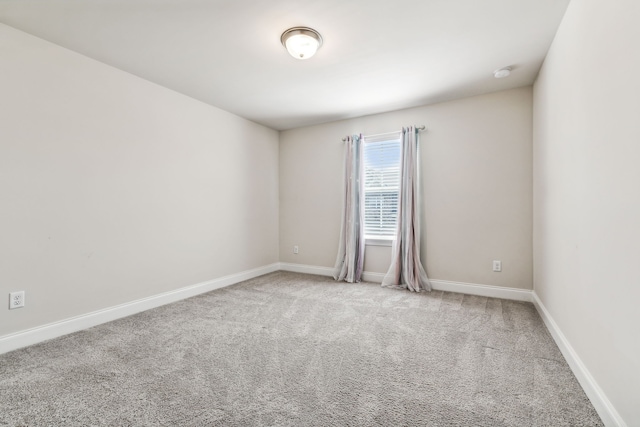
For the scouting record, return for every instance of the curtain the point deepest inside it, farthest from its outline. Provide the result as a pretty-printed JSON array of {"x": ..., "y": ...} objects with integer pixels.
[
  {"x": 406, "y": 269},
  {"x": 350, "y": 260}
]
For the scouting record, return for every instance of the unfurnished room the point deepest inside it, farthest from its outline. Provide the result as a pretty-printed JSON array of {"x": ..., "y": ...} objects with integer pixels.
[{"x": 319, "y": 213}]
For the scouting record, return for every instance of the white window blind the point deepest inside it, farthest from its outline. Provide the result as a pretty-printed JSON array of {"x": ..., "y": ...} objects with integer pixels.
[{"x": 381, "y": 157}]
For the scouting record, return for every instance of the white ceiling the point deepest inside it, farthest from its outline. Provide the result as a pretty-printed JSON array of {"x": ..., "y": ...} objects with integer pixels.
[{"x": 378, "y": 55}]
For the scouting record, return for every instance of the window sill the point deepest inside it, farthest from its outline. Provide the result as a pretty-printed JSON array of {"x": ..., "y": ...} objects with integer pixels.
[{"x": 378, "y": 242}]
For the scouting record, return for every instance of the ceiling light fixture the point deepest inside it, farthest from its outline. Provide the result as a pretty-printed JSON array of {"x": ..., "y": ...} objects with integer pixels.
[
  {"x": 301, "y": 42},
  {"x": 502, "y": 73}
]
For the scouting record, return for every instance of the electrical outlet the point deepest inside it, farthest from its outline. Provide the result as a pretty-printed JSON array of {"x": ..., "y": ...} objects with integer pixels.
[
  {"x": 16, "y": 300},
  {"x": 296, "y": 249},
  {"x": 497, "y": 265}
]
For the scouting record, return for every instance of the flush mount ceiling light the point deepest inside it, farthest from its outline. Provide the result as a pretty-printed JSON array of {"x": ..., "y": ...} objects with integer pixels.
[
  {"x": 502, "y": 73},
  {"x": 301, "y": 42}
]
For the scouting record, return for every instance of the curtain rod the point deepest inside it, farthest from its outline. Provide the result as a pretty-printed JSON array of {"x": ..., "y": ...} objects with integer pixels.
[{"x": 388, "y": 133}]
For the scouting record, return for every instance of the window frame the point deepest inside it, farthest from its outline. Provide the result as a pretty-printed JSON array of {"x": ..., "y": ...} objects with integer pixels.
[{"x": 394, "y": 138}]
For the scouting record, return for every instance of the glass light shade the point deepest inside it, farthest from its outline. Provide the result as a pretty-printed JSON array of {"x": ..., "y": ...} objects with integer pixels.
[
  {"x": 301, "y": 46},
  {"x": 301, "y": 42},
  {"x": 502, "y": 73}
]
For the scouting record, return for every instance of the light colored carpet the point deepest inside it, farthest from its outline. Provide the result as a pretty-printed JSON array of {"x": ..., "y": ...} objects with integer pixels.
[{"x": 289, "y": 349}]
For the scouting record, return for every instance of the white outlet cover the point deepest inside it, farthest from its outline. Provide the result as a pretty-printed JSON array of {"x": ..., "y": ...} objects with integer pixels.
[{"x": 16, "y": 300}]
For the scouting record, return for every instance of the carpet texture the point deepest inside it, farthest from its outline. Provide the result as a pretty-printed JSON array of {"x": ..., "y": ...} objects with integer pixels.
[{"x": 289, "y": 349}]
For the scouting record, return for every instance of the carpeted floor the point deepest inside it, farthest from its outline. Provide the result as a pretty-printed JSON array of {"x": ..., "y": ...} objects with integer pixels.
[{"x": 289, "y": 349}]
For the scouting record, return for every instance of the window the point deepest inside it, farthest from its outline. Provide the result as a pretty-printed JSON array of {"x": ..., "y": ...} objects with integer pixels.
[{"x": 381, "y": 158}]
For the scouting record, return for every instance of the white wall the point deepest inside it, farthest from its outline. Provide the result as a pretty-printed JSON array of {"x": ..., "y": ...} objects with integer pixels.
[
  {"x": 113, "y": 188},
  {"x": 587, "y": 192},
  {"x": 476, "y": 165}
]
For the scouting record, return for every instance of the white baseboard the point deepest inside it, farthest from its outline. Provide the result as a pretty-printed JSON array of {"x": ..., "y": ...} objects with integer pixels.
[
  {"x": 368, "y": 276},
  {"x": 610, "y": 417},
  {"x": 438, "y": 285},
  {"x": 326, "y": 271},
  {"x": 482, "y": 290},
  {"x": 308, "y": 269},
  {"x": 53, "y": 330}
]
